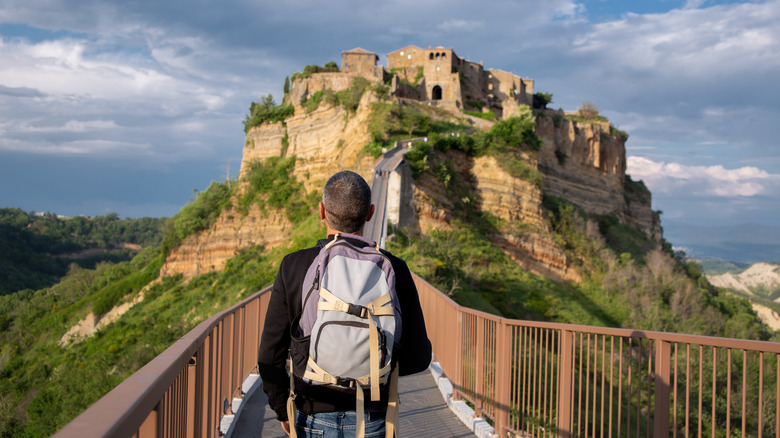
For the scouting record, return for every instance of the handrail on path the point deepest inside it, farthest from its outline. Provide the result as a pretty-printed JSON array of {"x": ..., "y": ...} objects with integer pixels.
[
  {"x": 188, "y": 388},
  {"x": 526, "y": 378}
]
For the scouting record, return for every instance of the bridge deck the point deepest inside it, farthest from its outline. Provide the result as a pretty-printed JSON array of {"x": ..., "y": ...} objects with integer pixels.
[{"x": 423, "y": 413}]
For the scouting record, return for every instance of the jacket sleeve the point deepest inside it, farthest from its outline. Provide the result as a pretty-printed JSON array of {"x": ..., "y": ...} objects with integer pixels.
[
  {"x": 274, "y": 349},
  {"x": 415, "y": 347}
]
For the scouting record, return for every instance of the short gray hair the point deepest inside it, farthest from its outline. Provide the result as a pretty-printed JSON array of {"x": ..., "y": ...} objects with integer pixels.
[{"x": 347, "y": 199}]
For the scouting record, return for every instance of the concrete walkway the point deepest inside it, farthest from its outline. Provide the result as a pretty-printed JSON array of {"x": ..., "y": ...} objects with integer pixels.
[{"x": 423, "y": 413}]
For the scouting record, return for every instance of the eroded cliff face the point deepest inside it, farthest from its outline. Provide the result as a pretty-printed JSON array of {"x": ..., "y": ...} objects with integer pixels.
[
  {"x": 584, "y": 164},
  {"x": 324, "y": 141},
  {"x": 526, "y": 238}
]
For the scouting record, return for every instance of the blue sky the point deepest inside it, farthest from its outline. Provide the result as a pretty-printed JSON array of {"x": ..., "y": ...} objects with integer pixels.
[{"x": 126, "y": 107}]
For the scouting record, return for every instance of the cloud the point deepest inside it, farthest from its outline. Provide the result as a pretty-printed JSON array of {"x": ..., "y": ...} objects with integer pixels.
[
  {"x": 717, "y": 181},
  {"x": 19, "y": 91}
]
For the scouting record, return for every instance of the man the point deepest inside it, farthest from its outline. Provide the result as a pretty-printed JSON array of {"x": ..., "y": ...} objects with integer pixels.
[{"x": 345, "y": 208}]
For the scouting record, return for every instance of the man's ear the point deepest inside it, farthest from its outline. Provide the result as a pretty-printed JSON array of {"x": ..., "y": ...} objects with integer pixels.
[
  {"x": 322, "y": 211},
  {"x": 370, "y": 213}
]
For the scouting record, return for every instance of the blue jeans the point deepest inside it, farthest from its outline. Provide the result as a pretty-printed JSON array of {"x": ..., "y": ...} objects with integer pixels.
[{"x": 338, "y": 424}]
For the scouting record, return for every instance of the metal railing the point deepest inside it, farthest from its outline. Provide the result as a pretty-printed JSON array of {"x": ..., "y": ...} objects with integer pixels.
[
  {"x": 543, "y": 379},
  {"x": 526, "y": 378},
  {"x": 186, "y": 390}
]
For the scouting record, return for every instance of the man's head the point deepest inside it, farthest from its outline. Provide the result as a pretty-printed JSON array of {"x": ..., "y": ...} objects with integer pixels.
[{"x": 347, "y": 202}]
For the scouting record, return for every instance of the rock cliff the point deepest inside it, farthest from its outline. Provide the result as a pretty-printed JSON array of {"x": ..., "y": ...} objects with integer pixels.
[
  {"x": 578, "y": 161},
  {"x": 585, "y": 164},
  {"x": 324, "y": 141}
]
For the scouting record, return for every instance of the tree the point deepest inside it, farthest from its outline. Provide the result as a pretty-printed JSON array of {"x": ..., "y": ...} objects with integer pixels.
[
  {"x": 541, "y": 100},
  {"x": 588, "y": 110},
  {"x": 286, "y": 85}
]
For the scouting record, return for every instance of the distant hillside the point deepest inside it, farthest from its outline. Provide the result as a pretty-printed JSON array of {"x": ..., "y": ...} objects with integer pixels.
[
  {"x": 760, "y": 283},
  {"x": 746, "y": 243},
  {"x": 36, "y": 249}
]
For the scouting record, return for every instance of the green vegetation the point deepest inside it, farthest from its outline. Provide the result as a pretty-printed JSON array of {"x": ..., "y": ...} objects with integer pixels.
[
  {"x": 35, "y": 251},
  {"x": 582, "y": 119},
  {"x": 270, "y": 183},
  {"x": 349, "y": 98},
  {"x": 468, "y": 266},
  {"x": 198, "y": 215},
  {"x": 541, "y": 100},
  {"x": 507, "y": 140},
  {"x": 490, "y": 115},
  {"x": 636, "y": 191},
  {"x": 419, "y": 75},
  {"x": 267, "y": 111},
  {"x": 43, "y": 384},
  {"x": 391, "y": 122},
  {"x": 330, "y": 67}
]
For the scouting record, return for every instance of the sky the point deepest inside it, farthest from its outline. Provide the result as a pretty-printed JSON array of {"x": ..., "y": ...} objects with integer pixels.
[{"x": 128, "y": 107}]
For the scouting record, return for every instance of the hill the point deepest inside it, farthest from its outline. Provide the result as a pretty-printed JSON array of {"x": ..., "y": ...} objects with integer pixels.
[
  {"x": 759, "y": 283},
  {"x": 526, "y": 213},
  {"x": 36, "y": 249}
]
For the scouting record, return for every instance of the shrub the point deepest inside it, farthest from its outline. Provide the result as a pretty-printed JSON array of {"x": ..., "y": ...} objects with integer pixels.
[
  {"x": 516, "y": 131},
  {"x": 313, "y": 102},
  {"x": 541, "y": 100},
  {"x": 271, "y": 183},
  {"x": 266, "y": 110},
  {"x": 490, "y": 115},
  {"x": 198, "y": 215}
]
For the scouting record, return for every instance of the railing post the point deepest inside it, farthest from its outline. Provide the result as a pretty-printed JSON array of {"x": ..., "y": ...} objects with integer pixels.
[
  {"x": 663, "y": 374},
  {"x": 503, "y": 378},
  {"x": 457, "y": 378},
  {"x": 564, "y": 389},
  {"x": 192, "y": 381},
  {"x": 479, "y": 377}
]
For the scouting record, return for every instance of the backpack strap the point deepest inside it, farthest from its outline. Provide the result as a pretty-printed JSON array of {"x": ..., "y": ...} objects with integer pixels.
[
  {"x": 291, "y": 405},
  {"x": 374, "y": 308},
  {"x": 318, "y": 374},
  {"x": 392, "y": 424}
]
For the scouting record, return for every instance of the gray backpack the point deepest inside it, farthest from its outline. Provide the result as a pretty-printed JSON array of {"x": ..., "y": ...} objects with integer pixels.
[{"x": 351, "y": 320}]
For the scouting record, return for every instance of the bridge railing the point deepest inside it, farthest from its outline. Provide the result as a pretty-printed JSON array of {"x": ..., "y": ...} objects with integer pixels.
[
  {"x": 526, "y": 378},
  {"x": 543, "y": 379},
  {"x": 189, "y": 388}
]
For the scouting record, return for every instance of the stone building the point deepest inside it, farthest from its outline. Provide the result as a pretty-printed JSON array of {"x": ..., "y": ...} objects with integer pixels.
[
  {"x": 361, "y": 62},
  {"x": 437, "y": 76}
]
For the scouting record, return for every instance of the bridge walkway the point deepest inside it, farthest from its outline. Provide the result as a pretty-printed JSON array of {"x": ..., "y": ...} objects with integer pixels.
[{"x": 423, "y": 413}]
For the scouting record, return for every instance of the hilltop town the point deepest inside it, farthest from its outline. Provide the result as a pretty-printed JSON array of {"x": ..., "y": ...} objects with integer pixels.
[{"x": 437, "y": 76}]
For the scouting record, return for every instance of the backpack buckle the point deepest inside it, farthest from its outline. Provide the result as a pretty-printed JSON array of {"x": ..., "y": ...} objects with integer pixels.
[
  {"x": 358, "y": 310},
  {"x": 345, "y": 381}
]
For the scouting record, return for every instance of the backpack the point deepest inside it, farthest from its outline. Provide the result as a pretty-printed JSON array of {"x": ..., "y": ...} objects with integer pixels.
[{"x": 349, "y": 323}]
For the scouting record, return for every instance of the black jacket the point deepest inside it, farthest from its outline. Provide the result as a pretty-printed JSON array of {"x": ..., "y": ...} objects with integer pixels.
[{"x": 414, "y": 351}]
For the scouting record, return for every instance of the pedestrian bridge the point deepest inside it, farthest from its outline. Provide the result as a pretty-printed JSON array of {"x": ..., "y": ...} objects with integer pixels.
[{"x": 523, "y": 378}]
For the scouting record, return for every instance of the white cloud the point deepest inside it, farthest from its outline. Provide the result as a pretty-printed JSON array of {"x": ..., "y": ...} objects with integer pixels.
[
  {"x": 711, "y": 42},
  {"x": 675, "y": 178},
  {"x": 69, "y": 126}
]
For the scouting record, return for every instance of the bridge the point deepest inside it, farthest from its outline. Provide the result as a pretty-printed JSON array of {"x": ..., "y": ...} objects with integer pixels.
[{"x": 522, "y": 378}]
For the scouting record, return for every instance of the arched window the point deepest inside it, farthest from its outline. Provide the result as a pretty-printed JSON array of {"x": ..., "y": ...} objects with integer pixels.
[
  {"x": 431, "y": 56},
  {"x": 436, "y": 93}
]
